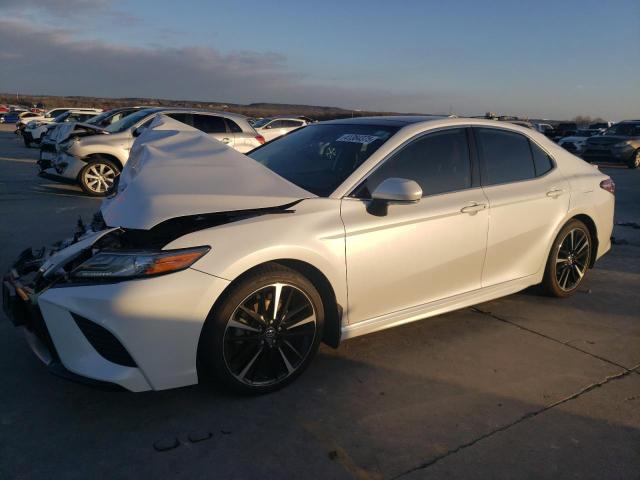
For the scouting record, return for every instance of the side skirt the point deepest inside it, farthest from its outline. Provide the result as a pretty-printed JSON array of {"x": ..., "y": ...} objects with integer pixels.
[{"x": 438, "y": 307}]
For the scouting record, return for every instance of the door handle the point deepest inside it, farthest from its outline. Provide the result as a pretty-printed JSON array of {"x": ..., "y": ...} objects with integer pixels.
[
  {"x": 555, "y": 192},
  {"x": 225, "y": 140},
  {"x": 473, "y": 208}
]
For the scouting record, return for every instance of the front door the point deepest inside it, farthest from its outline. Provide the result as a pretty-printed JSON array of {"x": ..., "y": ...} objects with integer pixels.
[{"x": 422, "y": 252}]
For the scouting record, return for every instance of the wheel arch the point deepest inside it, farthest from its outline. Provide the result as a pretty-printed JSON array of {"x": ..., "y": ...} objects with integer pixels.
[
  {"x": 106, "y": 156},
  {"x": 333, "y": 310},
  {"x": 593, "y": 231}
]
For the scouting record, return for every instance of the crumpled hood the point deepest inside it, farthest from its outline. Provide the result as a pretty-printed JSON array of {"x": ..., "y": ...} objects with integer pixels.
[
  {"x": 175, "y": 170},
  {"x": 63, "y": 131}
]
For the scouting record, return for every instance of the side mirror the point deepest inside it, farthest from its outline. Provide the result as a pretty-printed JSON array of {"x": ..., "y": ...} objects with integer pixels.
[{"x": 393, "y": 190}]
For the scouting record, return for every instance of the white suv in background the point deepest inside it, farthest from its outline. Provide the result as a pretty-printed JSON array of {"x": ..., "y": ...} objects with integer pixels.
[
  {"x": 95, "y": 161},
  {"x": 271, "y": 128}
]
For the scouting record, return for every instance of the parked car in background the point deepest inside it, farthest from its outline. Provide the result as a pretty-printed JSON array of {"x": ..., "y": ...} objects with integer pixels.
[
  {"x": 58, "y": 133},
  {"x": 235, "y": 269},
  {"x": 95, "y": 161},
  {"x": 602, "y": 126},
  {"x": 12, "y": 116},
  {"x": 564, "y": 129},
  {"x": 23, "y": 119},
  {"x": 274, "y": 127},
  {"x": 34, "y": 129},
  {"x": 544, "y": 128},
  {"x": 575, "y": 143},
  {"x": 619, "y": 144}
]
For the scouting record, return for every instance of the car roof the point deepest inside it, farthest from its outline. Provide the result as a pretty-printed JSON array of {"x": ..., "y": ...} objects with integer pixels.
[
  {"x": 391, "y": 120},
  {"x": 194, "y": 110}
]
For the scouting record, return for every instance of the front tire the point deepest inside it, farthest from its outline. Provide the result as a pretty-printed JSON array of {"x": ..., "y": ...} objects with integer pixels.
[
  {"x": 264, "y": 332},
  {"x": 98, "y": 176},
  {"x": 568, "y": 260}
]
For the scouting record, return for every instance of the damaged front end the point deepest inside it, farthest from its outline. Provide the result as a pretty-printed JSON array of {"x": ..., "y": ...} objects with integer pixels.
[{"x": 37, "y": 270}]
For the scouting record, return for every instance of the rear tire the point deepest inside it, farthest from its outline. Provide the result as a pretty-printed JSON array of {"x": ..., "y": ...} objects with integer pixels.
[
  {"x": 98, "y": 176},
  {"x": 568, "y": 261},
  {"x": 253, "y": 349},
  {"x": 634, "y": 161}
]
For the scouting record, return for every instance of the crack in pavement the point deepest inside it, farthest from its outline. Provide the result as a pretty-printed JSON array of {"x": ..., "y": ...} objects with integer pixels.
[
  {"x": 535, "y": 332},
  {"x": 625, "y": 371},
  {"x": 519, "y": 420}
]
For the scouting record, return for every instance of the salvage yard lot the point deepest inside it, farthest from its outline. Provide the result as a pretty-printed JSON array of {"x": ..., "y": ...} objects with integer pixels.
[{"x": 522, "y": 387}]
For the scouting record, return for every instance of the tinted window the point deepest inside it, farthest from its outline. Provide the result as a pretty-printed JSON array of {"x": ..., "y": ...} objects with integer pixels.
[
  {"x": 130, "y": 120},
  {"x": 319, "y": 158},
  {"x": 275, "y": 124},
  {"x": 209, "y": 123},
  {"x": 291, "y": 123},
  {"x": 541, "y": 160},
  {"x": 233, "y": 126},
  {"x": 182, "y": 117},
  {"x": 506, "y": 156},
  {"x": 438, "y": 162}
]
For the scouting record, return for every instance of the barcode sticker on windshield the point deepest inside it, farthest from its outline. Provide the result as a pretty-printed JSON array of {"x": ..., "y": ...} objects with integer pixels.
[{"x": 355, "y": 138}]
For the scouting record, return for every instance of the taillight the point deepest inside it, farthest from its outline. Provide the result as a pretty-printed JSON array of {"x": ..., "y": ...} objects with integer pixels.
[
  {"x": 609, "y": 186},
  {"x": 260, "y": 139}
]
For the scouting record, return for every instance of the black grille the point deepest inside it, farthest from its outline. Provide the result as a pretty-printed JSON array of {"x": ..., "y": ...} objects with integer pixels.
[{"x": 105, "y": 343}]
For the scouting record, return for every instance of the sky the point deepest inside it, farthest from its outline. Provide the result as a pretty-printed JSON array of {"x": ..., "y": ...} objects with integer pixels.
[{"x": 536, "y": 58}]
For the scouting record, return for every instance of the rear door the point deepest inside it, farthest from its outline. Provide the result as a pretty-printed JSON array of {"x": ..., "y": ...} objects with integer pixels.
[
  {"x": 528, "y": 197},
  {"x": 215, "y": 126}
]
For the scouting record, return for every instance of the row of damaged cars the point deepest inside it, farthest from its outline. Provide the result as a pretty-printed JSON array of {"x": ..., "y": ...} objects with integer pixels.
[
  {"x": 619, "y": 143},
  {"x": 93, "y": 152}
]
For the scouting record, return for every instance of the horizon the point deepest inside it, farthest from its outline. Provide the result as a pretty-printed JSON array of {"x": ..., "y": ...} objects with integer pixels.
[{"x": 570, "y": 59}]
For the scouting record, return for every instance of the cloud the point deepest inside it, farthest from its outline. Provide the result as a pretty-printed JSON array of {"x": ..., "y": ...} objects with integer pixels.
[
  {"x": 60, "y": 11},
  {"x": 52, "y": 61}
]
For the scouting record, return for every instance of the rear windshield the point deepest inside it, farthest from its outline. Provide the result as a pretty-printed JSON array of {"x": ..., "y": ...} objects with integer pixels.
[{"x": 319, "y": 158}]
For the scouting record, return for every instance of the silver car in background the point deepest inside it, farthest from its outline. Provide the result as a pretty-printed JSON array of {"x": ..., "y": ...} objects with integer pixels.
[{"x": 95, "y": 161}]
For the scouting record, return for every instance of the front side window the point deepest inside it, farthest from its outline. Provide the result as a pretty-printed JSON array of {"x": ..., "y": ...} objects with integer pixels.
[
  {"x": 506, "y": 156},
  {"x": 439, "y": 162},
  {"x": 209, "y": 124},
  {"x": 185, "y": 118},
  {"x": 291, "y": 123},
  {"x": 233, "y": 126},
  {"x": 319, "y": 158}
]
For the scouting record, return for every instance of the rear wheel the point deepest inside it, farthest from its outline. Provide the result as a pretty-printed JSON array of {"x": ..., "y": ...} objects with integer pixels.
[
  {"x": 634, "y": 162},
  {"x": 568, "y": 260},
  {"x": 265, "y": 333},
  {"x": 98, "y": 176}
]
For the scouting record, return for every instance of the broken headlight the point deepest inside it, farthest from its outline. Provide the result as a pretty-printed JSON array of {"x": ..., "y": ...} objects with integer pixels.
[{"x": 119, "y": 265}]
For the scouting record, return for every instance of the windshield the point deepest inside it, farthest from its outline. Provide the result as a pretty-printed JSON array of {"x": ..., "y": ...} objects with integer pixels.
[
  {"x": 319, "y": 158},
  {"x": 99, "y": 118},
  {"x": 262, "y": 122},
  {"x": 62, "y": 117},
  {"x": 624, "y": 129},
  {"x": 129, "y": 121}
]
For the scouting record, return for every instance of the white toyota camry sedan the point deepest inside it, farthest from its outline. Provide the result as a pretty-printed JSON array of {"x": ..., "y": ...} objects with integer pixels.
[{"x": 211, "y": 264}]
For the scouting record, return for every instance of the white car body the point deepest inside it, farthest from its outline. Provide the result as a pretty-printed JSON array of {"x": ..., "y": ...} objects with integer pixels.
[
  {"x": 278, "y": 126},
  {"x": 37, "y": 126},
  {"x": 440, "y": 253}
]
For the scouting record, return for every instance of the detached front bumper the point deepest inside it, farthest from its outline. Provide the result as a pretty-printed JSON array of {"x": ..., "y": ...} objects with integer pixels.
[{"x": 139, "y": 334}]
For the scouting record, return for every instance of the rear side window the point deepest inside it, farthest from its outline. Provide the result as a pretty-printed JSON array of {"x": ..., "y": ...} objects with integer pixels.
[
  {"x": 542, "y": 162},
  {"x": 233, "y": 126},
  {"x": 209, "y": 123},
  {"x": 506, "y": 156},
  {"x": 438, "y": 162},
  {"x": 182, "y": 117},
  {"x": 291, "y": 123}
]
